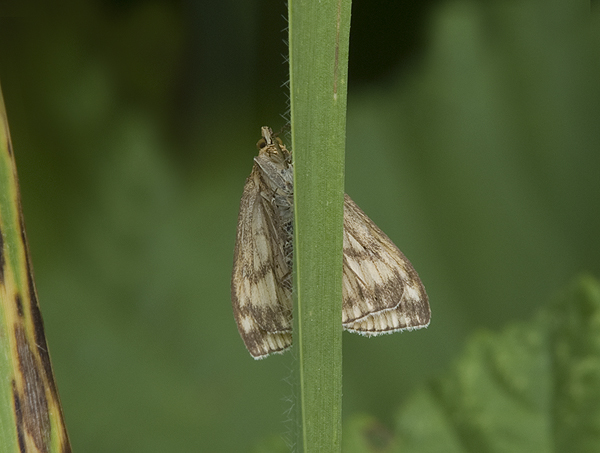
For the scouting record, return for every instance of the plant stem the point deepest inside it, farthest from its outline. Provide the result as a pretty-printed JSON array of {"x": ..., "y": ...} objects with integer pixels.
[{"x": 318, "y": 39}]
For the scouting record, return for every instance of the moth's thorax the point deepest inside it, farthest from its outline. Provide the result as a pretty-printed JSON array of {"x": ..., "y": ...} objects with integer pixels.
[
  {"x": 276, "y": 180},
  {"x": 275, "y": 165}
]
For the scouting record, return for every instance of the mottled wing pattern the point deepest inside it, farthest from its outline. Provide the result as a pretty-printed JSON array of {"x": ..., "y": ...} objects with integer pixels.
[
  {"x": 382, "y": 291},
  {"x": 261, "y": 303}
]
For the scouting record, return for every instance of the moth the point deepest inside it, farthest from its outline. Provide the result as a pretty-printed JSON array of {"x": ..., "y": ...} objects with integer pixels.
[{"x": 382, "y": 292}]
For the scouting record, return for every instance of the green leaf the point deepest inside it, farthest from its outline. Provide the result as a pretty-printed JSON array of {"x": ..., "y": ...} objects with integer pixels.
[
  {"x": 30, "y": 411},
  {"x": 576, "y": 366}
]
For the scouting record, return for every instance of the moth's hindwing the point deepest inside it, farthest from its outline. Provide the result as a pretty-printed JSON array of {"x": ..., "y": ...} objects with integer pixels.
[{"x": 382, "y": 292}]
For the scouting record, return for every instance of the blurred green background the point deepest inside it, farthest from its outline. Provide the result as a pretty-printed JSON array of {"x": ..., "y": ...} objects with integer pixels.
[{"x": 473, "y": 142}]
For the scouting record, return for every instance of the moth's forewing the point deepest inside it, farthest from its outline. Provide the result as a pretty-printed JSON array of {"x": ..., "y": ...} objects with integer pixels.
[
  {"x": 261, "y": 281},
  {"x": 382, "y": 292}
]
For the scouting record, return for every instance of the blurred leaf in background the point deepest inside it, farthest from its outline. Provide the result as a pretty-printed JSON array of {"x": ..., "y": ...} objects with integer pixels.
[
  {"x": 472, "y": 142},
  {"x": 533, "y": 387}
]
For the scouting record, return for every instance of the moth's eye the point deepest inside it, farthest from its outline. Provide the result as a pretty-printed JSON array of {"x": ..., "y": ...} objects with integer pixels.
[
  {"x": 279, "y": 141},
  {"x": 261, "y": 143}
]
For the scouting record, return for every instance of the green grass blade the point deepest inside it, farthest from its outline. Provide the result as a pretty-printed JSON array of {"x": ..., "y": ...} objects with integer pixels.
[
  {"x": 30, "y": 413},
  {"x": 318, "y": 39}
]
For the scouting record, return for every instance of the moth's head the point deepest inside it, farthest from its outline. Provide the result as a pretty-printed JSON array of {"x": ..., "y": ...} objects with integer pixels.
[{"x": 272, "y": 146}]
